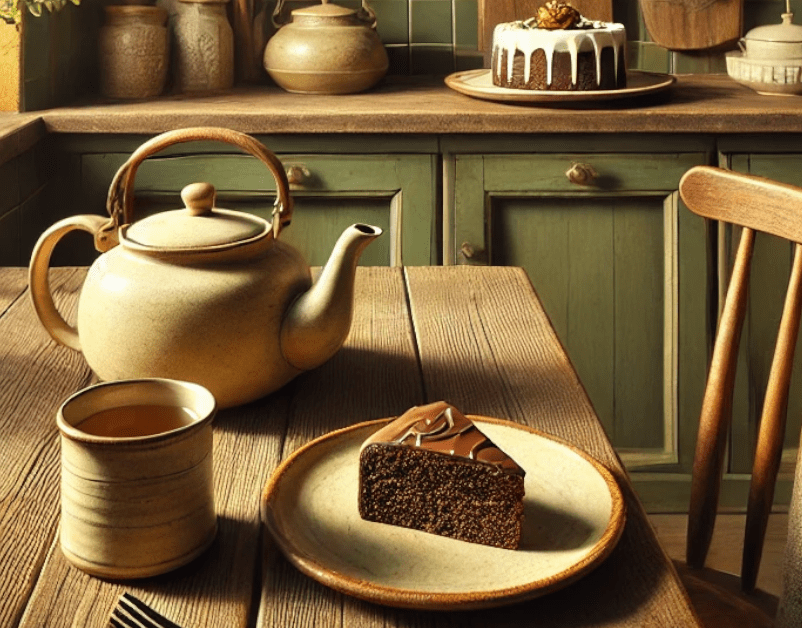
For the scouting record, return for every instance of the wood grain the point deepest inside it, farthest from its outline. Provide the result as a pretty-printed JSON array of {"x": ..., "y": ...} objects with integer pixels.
[
  {"x": 771, "y": 435},
  {"x": 477, "y": 337},
  {"x": 495, "y": 353},
  {"x": 756, "y": 204},
  {"x": 693, "y": 24},
  {"x": 696, "y": 104},
  {"x": 36, "y": 377},
  {"x": 716, "y": 414}
]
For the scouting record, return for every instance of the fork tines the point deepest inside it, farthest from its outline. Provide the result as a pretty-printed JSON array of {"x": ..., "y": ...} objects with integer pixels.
[{"x": 131, "y": 612}]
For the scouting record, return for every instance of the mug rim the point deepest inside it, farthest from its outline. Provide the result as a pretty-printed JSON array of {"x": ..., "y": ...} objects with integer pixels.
[{"x": 206, "y": 415}]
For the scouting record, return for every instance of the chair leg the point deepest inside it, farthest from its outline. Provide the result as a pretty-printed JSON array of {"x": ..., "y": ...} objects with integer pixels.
[{"x": 772, "y": 429}]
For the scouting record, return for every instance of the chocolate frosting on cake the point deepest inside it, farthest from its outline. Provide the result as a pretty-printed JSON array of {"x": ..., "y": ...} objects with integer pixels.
[{"x": 441, "y": 428}]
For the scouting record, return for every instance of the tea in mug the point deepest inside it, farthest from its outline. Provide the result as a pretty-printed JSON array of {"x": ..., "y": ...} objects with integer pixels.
[{"x": 136, "y": 420}]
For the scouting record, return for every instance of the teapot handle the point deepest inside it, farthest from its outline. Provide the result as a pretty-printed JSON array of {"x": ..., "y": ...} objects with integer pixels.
[
  {"x": 41, "y": 295},
  {"x": 121, "y": 192}
]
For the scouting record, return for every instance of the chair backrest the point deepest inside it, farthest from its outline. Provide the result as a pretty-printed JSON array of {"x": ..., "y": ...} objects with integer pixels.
[{"x": 756, "y": 204}]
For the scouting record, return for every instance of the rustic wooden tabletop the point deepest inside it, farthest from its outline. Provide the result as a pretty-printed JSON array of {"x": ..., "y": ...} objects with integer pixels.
[{"x": 476, "y": 337}]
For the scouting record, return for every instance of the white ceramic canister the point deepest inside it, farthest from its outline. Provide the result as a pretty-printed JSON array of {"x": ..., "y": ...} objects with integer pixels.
[
  {"x": 134, "y": 51},
  {"x": 204, "y": 46},
  {"x": 137, "y": 485}
]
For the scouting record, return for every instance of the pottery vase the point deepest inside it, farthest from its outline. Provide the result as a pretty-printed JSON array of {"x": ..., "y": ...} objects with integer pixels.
[
  {"x": 133, "y": 51},
  {"x": 204, "y": 46}
]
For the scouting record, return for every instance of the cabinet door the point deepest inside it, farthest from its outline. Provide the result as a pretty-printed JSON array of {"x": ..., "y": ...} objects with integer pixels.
[
  {"x": 622, "y": 272},
  {"x": 331, "y": 192},
  {"x": 771, "y": 266}
]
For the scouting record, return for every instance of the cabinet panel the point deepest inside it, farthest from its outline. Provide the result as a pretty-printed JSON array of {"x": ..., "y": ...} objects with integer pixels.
[
  {"x": 394, "y": 192},
  {"x": 604, "y": 259}
]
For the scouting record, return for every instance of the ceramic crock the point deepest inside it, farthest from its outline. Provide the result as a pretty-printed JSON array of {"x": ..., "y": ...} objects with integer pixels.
[
  {"x": 204, "y": 46},
  {"x": 133, "y": 52},
  {"x": 136, "y": 506},
  {"x": 778, "y": 42},
  {"x": 326, "y": 49}
]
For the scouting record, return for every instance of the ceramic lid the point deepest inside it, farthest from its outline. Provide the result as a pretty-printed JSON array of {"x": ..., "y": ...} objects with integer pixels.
[
  {"x": 200, "y": 225},
  {"x": 323, "y": 10},
  {"x": 787, "y": 31}
]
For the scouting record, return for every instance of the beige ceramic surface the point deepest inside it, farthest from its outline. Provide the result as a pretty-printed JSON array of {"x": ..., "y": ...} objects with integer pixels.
[
  {"x": 201, "y": 294},
  {"x": 137, "y": 506},
  {"x": 573, "y": 517},
  {"x": 766, "y": 76},
  {"x": 133, "y": 51},
  {"x": 479, "y": 84},
  {"x": 326, "y": 49},
  {"x": 780, "y": 42},
  {"x": 204, "y": 46}
]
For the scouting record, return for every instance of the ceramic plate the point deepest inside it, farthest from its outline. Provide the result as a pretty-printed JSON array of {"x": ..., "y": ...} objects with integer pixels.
[
  {"x": 479, "y": 84},
  {"x": 573, "y": 517}
]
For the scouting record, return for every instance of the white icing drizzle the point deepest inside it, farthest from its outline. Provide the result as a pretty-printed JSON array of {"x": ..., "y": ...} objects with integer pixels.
[{"x": 510, "y": 37}]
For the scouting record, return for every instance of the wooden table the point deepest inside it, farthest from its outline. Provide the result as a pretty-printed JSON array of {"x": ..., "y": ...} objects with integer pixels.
[{"x": 476, "y": 337}]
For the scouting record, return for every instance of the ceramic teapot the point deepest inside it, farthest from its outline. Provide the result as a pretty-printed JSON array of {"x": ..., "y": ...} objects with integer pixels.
[
  {"x": 326, "y": 49},
  {"x": 201, "y": 294}
]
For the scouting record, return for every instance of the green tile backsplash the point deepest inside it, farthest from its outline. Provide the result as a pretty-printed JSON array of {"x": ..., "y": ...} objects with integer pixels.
[
  {"x": 440, "y": 36},
  {"x": 433, "y": 37}
]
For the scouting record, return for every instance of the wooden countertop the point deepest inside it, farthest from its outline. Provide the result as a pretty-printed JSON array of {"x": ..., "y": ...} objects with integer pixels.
[
  {"x": 477, "y": 337},
  {"x": 695, "y": 104}
]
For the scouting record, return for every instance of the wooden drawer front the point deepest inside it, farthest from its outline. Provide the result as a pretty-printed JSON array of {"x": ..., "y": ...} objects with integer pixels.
[
  {"x": 613, "y": 172},
  {"x": 394, "y": 192}
]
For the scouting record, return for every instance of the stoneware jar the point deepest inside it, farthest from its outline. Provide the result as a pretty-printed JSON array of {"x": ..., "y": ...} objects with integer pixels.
[
  {"x": 137, "y": 485},
  {"x": 133, "y": 50},
  {"x": 770, "y": 58},
  {"x": 204, "y": 46},
  {"x": 778, "y": 42},
  {"x": 326, "y": 49}
]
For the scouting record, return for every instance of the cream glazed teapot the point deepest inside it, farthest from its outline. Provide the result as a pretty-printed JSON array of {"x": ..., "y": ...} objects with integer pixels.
[{"x": 201, "y": 294}]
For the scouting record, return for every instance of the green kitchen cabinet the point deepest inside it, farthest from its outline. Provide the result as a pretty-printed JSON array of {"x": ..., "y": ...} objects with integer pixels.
[
  {"x": 622, "y": 268},
  {"x": 396, "y": 192}
]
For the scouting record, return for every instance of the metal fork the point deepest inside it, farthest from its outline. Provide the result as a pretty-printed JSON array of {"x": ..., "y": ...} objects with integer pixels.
[{"x": 131, "y": 612}]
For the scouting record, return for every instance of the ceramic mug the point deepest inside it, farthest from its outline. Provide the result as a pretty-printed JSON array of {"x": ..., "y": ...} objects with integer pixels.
[{"x": 137, "y": 486}]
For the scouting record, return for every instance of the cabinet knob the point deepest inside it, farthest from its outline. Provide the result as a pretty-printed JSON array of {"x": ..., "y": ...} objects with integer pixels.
[
  {"x": 472, "y": 254},
  {"x": 297, "y": 175},
  {"x": 581, "y": 174}
]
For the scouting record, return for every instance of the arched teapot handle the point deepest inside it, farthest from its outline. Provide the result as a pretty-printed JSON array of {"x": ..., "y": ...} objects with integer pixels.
[
  {"x": 38, "y": 280},
  {"x": 120, "y": 201}
]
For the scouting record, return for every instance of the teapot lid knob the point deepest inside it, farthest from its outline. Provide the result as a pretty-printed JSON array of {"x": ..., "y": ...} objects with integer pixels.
[{"x": 199, "y": 198}]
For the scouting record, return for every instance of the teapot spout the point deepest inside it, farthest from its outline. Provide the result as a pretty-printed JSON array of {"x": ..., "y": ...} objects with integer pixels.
[{"x": 318, "y": 322}]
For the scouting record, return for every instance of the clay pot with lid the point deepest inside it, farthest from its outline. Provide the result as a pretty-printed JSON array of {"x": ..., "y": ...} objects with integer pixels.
[
  {"x": 326, "y": 49},
  {"x": 778, "y": 42}
]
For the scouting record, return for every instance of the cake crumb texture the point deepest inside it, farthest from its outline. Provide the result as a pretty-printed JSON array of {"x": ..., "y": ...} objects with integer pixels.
[{"x": 441, "y": 494}]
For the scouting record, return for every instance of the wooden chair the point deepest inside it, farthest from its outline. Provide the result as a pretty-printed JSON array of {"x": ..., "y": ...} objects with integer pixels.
[{"x": 756, "y": 204}]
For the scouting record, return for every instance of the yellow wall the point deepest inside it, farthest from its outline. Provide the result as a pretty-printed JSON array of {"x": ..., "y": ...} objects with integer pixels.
[{"x": 9, "y": 67}]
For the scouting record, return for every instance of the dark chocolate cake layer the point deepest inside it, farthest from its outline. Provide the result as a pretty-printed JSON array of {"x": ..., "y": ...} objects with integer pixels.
[{"x": 433, "y": 470}]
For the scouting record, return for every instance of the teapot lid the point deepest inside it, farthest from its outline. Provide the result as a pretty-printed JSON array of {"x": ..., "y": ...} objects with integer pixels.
[
  {"x": 787, "y": 31},
  {"x": 199, "y": 226},
  {"x": 323, "y": 10}
]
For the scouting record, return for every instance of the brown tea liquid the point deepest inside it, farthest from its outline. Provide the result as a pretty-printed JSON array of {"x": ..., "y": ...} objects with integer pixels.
[{"x": 136, "y": 420}]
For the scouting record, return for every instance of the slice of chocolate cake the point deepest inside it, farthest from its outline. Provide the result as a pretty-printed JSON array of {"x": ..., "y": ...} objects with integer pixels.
[{"x": 433, "y": 470}]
